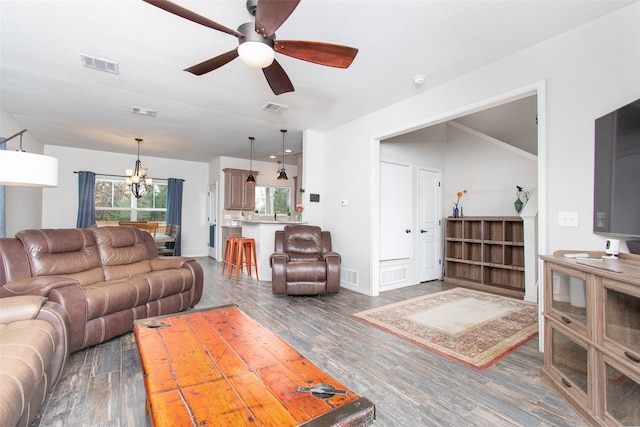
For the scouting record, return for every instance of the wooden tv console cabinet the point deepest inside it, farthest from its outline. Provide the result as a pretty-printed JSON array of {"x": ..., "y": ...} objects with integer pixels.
[{"x": 592, "y": 335}]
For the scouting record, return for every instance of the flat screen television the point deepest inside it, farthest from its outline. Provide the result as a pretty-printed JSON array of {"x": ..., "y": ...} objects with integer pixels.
[{"x": 616, "y": 201}]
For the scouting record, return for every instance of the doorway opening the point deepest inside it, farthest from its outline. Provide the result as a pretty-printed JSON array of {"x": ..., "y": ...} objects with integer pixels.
[{"x": 481, "y": 118}]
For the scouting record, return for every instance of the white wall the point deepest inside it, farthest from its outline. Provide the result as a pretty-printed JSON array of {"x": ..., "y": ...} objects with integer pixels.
[
  {"x": 488, "y": 171},
  {"x": 313, "y": 182},
  {"x": 60, "y": 205},
  {"x": 588, "y": 72},
  {"x": 23, "y": 205}
]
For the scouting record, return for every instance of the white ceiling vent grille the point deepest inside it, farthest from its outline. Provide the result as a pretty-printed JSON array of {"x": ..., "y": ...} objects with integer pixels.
[
  {"x": 143, "y": 111},
  {"x": 100, "y": 64},
  {"x": 273, "y": 107}
]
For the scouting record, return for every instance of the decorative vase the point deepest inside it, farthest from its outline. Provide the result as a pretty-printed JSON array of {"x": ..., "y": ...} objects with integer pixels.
[
  {"x": 456, "y": 213},
  {"x": 299, "y": 217}
]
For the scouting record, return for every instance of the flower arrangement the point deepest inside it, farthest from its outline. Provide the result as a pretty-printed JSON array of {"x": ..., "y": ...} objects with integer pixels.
[
  {"x": 460, "y": 194},
  {"x": 457, "y": 210},
  {"x": 299, "y": 209}
]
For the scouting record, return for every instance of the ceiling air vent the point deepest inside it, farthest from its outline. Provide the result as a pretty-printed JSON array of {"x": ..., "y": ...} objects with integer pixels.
[
  {"x": 274, "y": 108},
  {"x": 143, "y": 111},
  {"x": 100, "y": 64}
]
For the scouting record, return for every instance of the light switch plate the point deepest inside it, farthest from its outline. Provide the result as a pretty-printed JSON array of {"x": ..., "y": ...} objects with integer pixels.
[{"x": 568, "y": 219}]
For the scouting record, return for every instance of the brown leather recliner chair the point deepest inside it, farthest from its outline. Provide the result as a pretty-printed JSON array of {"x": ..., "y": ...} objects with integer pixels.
[{"x": 303, "y": 262}]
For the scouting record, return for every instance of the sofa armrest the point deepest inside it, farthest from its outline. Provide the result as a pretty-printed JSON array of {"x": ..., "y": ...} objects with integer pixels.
[
  {"x": 40, "y": 286},
  {"x": 278, "y": 262},
  {"x": 331, "y": 254},
  {"x": 278, "y": 257},
  {"x": 169, "y": 262},
  {"x": 333, "y": 260},
  {"x": 177, "y": 262},
  {"x": 13, "y": 309},
  {"x": 56, "y": 315}
]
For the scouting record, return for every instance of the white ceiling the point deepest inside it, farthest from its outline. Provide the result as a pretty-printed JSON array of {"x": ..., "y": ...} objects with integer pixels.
[{"x": 45, "y": 86}]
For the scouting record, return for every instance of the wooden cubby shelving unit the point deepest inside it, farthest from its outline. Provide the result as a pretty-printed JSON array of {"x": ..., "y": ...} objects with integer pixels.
[{"x": 486, "y": 253}]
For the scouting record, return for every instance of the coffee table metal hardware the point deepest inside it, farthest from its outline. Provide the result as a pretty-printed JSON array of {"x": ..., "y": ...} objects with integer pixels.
[
  {"x": 323, "y": 391},
  {"x": 155, "y": 324}
]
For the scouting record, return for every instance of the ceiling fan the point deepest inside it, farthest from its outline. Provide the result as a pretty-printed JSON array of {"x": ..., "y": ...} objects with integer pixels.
[{"x": 258, "y": 44}]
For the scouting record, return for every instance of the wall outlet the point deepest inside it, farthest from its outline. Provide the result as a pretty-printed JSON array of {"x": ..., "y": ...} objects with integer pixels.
[{"x": 568, "y": 219}]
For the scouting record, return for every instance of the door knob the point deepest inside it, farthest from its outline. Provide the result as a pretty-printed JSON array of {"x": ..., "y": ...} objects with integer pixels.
[
  {"x": 423, "y": 231},
  {"x": 408, "y": 230}
]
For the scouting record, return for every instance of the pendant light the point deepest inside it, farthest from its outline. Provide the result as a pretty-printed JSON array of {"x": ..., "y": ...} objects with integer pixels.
[
  {"x": 21, "y": 169},
  {"x": 137, "y": 180},
  {"x": 251, "y": 178},
  {"x": 282, "y": 173}
]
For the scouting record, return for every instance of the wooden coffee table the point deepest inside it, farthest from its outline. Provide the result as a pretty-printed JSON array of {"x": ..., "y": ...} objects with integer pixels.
[{"x": 220, "y": 367}]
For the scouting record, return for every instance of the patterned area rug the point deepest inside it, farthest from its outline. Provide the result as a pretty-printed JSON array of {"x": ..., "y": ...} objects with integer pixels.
[{"x": 471, "y": 327}]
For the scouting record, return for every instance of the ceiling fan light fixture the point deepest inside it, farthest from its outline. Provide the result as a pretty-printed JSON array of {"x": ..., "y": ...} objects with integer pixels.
[{"x": 256, "y": 54}]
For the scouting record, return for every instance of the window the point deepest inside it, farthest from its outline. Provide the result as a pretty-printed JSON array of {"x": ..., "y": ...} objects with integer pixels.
[
  {"x": 113, "y": 205},
  {"x": 270, "y": 200}
]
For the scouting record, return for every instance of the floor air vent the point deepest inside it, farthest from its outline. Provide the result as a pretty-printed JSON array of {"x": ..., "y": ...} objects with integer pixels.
[
  {"x": 349, "y": 276},
  {"x": 394, "y": 275}
]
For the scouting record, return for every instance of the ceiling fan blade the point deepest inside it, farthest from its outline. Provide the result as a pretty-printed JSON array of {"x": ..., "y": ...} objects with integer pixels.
[
  {"x": 277, "y": 78},
  {"x": 332, "y": 55},
  {"x": 213, "y": 63},
  {"x": 192, "y": 16},
  {"x": 271, "y": 14}
]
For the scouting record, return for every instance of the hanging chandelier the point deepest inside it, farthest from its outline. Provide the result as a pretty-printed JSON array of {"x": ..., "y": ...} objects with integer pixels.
[
  {"x": 137, "y": 181},
  {"x": 282, "y": 173}
]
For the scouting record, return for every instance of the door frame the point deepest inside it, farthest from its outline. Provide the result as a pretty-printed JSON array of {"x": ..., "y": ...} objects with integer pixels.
[{"x": 536, "y": 88}]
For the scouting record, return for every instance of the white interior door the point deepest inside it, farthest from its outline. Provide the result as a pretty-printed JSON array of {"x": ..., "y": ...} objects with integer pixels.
[
  {"x": 212, "y": 217},
  {"x": 429, "y": 228},
  {"x": 395, "y": 211}
]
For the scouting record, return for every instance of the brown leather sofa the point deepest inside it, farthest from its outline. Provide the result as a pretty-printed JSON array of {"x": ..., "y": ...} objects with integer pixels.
[
  {"x": 303, "y": 262},
  {"x": 33, "y": 351},
  {"x": 104, "y": 278}
]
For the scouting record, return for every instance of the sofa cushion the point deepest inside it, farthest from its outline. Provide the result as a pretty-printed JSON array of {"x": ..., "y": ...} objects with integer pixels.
[
  {"x": 123, "y": 251},
  {"x": 60, "y": 252},
  {"x": 26, "y": 349}
]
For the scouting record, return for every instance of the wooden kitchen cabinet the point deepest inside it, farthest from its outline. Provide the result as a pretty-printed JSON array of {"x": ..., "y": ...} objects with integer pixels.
[
  {"x": 238, "y": 194},
  {"x": 592, "y": 336}
]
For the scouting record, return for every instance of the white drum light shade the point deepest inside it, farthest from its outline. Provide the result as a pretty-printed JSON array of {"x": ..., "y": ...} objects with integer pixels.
[
  {"x": 256, "y": 54},
  {"x": 21, "y": 169}
]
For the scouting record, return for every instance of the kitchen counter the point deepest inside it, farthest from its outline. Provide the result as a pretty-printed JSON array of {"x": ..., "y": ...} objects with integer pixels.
[{"x": 285, "y": 222}]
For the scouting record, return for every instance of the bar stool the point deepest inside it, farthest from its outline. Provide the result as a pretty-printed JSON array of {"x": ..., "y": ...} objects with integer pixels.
[
  {"x": 245, "y": 256},
  {"x": 230, "y": 250}
]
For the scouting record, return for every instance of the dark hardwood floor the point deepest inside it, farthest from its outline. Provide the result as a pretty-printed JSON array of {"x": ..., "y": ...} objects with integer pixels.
[{"x": 410, "y": 386}]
